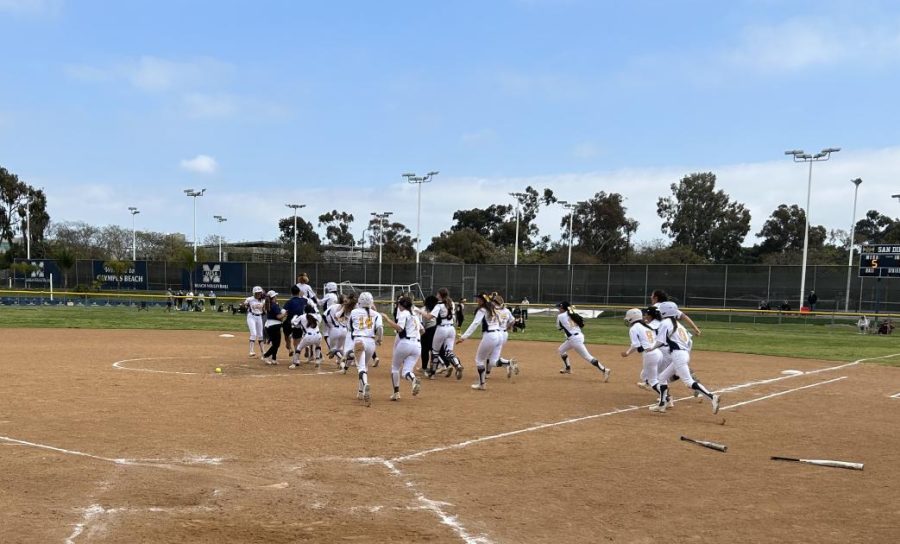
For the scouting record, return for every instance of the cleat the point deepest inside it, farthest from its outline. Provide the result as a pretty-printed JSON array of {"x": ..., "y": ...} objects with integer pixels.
[
  {"x": 509, "y": 370},
  {"x": 478, "y": 386},
  {"x": 515, "y": 365},
  {"x": 416, "y": 386},
  {"x": 449, "y": 372},
  {"x": 644, "y": 385},
  {"x": 606, "y": 373},
  {"x": 566, "y": 370},
  {"x": 659, "y": 408},
  {"x": 696, "y": 393},
  {"x": 252, "y": 355},
  {"x": 395, "y": 396},
  {"x": 715, "y": 403},
  {"x": 367, "y": 395},
  {"x": 343, "y": 368},
  {"x": 359, "y": 395},
  {"x": 375, "y": 362},
  {"x": 459, "y": 370},
  {"x": 293, "y": 366},
  {"x": 670, "y": 403}
]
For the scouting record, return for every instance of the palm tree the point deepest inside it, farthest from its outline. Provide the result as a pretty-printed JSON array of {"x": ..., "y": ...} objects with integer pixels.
[{"x": 65, "y": 260}]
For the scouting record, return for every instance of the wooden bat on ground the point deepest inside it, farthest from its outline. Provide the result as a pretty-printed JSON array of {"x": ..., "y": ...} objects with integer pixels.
[
  {"x": 821, "y": 462},
  {"x": 711, "y": 445}
]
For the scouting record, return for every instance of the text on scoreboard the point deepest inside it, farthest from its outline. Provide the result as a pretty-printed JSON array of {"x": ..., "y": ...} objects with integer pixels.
[{"x": 880, "y": 261}]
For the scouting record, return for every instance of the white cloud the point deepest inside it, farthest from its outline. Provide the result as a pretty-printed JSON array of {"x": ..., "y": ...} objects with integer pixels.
[
  {"x": 201, "y": 164},
  {"x": 31, "y": 7},
  {"x": 209, "y": 106},
  {"x": 154, "y": 74}
]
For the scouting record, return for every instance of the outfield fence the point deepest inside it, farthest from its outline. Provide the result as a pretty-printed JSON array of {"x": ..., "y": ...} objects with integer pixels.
[{"x": 710, "y": 286}]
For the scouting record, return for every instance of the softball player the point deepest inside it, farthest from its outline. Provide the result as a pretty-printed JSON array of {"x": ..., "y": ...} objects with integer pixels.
[
  {"x": 486, "y": 316},
  {"x": 679, "y": 343},
  {"x": 274, "y": 317},
  {"x": 328, "y": 299},
  {"x": 338, "y": 332},
  {"x": 366, "y": 332},
  {"x": 444, "y": 337},
  {"x": 306, "y": 289},
  {"x": 255, "y": 306},
  {"x": 407, "y": 347},
  {"x": 506, "y": 323},
  {"x": 659, "y": 296},
  {"x": 643, "y": 338},
  {"x": 305, "y": 333},
  {"x": 571, "y": 323}
]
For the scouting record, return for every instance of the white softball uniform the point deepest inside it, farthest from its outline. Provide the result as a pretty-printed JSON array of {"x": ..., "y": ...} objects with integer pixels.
[
  {"x": 309, "y": 294},
  {"x": 408, "y": 347},
  {"x": 255, "y": 310},
  {"x": 490, "y": 335},
  {"x": 364, "y": 326},
  {"x": 311, "y": 335},
  {"x": 505, "y": 318},
  {"x": 643, "y": 337},
  {"x": 574, "y": 337},
  {"x": 328, "y": 299},
  {"x": 337, "y": 333},
  {"x": 445, "y": 333},
  {"x": 680, "y": 343}
]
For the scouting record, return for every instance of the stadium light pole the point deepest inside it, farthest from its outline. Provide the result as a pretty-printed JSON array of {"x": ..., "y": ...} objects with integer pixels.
[
  {"x": 800, "y": 156},
  {"x": 295, "y": 207},
  {"x": 518, "y": 197},
  {"x": 411, "y": 177},
  {"x": 221, "y": 220},
  {"x": 194, "y": 194},
  {"x": 571, "y": 207},
  {"x": 28, "y": 228},
  {"x": 856, "y": 183},
  {"x": 381, "y": 217},
  {"x": 134, "y": 211}
]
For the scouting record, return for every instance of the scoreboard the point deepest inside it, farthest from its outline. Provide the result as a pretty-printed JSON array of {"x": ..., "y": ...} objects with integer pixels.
[{"x": 880, "y": 261}]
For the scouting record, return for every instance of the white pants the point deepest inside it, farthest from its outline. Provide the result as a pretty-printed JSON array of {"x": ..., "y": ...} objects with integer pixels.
[
  {"x": 255, "y": 324},
  {"x": 368, "y": 352},
  {"x": 337, "y": 339},
  {"x": 576, "y": 342},
  {"x": 680, "y": 366},
  {"x": 406, "y": 353},
  {"x": 444, "y": 338},
  {"x": 490, "y": 342},
  {"x": 495, "y": 355},
  {"x": 309, "y": 339},
  {"x": 650, "y": 368}
]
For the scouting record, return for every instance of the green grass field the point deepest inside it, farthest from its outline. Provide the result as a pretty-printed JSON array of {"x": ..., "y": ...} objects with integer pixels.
[{"x": 838, "y": 342}]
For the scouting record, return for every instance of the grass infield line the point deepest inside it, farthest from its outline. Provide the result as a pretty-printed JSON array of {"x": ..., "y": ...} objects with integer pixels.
[{"x": 730, "y": 406}]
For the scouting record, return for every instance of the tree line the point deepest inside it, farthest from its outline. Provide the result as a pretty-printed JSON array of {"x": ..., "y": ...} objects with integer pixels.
[{"x": 701, "y": 224}]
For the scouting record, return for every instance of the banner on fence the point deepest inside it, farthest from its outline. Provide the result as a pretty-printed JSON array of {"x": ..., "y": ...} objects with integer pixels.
[
  {"x": 130, "y": 276},
  {"x": 36, "y": 272},
  {"x": 216, "y": 277}
]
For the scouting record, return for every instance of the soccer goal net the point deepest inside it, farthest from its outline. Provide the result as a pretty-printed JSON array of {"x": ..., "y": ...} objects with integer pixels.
[{"x": 384, "y": 292}]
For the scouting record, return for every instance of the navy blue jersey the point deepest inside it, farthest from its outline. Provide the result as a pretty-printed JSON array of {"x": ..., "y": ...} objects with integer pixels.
[
  {"x": 295, "y": 306},
  {"x": 274, "y": 312}
]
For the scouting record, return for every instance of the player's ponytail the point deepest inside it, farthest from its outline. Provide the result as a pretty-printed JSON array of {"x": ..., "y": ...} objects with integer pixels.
[
  {"x": 311, "y": 317},
  {"x": 575, "y": 317},
  {"x": 445, "y": 298}
]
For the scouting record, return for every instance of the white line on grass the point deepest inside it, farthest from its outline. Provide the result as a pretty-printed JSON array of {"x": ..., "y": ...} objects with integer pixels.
[{"x": 782, "y": 393}]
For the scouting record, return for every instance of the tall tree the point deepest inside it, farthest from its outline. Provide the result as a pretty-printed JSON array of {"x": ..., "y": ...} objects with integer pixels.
[
  {"x": 15, "y": 197},
  {"x": 785, "y": 228},
  {"x": 337, "y": 227},
  {"x": 465, "y": 245},
  {"x": 601, "y": 227},
  {"x": 703, "y": 219},
  {"x": 399, "y": 244},
  {"x": 876, "y": 228},
  {"x": 497, "y": 222},
  {"x": 308, "y": 242}
]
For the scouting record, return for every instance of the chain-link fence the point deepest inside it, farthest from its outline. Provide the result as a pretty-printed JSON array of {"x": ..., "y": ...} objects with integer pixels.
[{"x": 724, "y": 286}]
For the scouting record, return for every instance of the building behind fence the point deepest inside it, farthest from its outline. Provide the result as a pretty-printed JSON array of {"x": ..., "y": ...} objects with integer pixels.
[{"x": 726, "y": 286}]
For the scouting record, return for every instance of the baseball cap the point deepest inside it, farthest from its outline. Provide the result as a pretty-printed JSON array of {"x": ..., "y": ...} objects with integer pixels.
[{"x": 271, "y": 294}]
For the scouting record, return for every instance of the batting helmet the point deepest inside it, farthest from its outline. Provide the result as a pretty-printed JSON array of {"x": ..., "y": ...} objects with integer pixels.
[{"x": 633, "y": 316}]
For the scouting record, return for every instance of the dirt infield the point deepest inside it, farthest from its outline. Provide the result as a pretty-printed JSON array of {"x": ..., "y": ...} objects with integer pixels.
[{"x": 161, "y": 449}]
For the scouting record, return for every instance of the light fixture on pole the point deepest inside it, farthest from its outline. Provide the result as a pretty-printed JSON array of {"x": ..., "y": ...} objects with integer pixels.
[
  {"x": 221, "y": 220},
  {"x": 28, "y": 228},
  {"x": 800, "y": 156},
  {"x": 295, "y": 207},
  {"x": 134, "y": 211},
  {"x": 381, "y": 218},
  {"x": 411, "y": 177},
  {"x": 518, "y": 197},
  {"x": 856, "y": 183},
  {"x": 571, "y": 207},
  {"x": 194, "y": 194}
]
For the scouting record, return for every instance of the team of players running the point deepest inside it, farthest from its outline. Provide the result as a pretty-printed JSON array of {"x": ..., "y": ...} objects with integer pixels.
[{"x": 352, "y": 328}]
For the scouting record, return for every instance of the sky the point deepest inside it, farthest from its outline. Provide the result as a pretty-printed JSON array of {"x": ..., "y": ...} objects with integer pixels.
[{"x": 107, "y": 105}]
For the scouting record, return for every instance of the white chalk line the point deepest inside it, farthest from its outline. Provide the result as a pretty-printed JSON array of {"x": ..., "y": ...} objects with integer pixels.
[
  {"x": 159, "y": 463},
  {"x": 817, "y": 384},
  {"x": 120, "y": 366},
  {"x": 466, "y": 443},
  {"x": 437, "y": 508},
  {"x": 895, "y": 396},
  {"x": 93, "y": 513}
]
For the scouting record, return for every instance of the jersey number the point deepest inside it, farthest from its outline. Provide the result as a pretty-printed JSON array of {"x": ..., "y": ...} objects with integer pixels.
[{"x": 365, "y": 323}]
